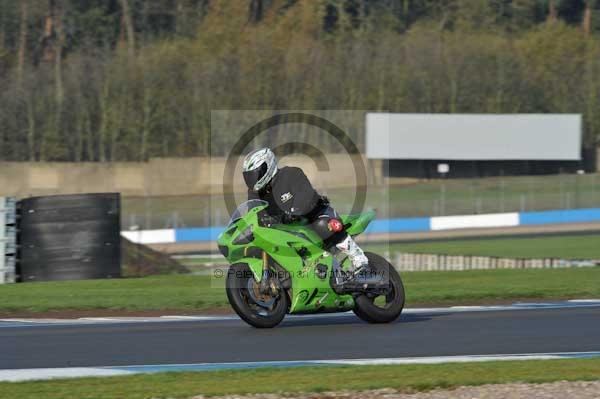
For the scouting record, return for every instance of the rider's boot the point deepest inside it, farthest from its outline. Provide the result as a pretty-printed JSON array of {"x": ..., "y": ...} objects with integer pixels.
[
  {"x": 360, "y": 263},
  {"x": 357, "y": 257}
]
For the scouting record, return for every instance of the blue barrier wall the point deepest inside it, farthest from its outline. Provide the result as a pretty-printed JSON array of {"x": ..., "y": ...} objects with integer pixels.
[
  {"x": 402, "y": 225},
  {"x": 560, "y": 216},
  {"x": 377, "y": 226},
  {"x": 198, "y": 234},
  {"x": 398, "y": 225}
]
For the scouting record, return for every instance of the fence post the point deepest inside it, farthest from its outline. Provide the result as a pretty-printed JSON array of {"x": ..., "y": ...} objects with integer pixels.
[
  {"x": 147, "y": 223},
  {"x": 175, "y": 219},
  {"x": 502, "y": 195},
  {"x": 531, "y": 193},
  {"x": 561, "y": 191},
  {"x": 473, "y": 204},
  {"x": 217, "y": 222},
  {"x": 435, "y": 207},
  {"x": 594, "y": 189},
  {"x": 132, "y": 221},
  {"x": 443, "y": 199}
]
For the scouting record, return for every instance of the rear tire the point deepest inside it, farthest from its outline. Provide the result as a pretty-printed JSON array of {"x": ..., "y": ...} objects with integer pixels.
[
  {"x": 239, "y": 279},
  {"x": 367, "y": 309}
]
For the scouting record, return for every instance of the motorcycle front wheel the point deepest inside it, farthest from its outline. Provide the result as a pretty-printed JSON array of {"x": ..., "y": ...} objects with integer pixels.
[
  {"x": 382, "y": 308},
  {"x": 258, "y": 310}
]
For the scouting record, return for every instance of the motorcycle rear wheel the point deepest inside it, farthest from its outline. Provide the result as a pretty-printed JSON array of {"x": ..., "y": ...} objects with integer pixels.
[
  {"x": 369, "y": 308},
  {"x": 255, "y": 309}
]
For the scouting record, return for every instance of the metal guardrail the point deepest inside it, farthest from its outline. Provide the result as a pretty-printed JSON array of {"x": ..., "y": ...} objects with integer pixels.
[
  {"x": 8, "y": 239},
  {"x": 442, "y": 262}
]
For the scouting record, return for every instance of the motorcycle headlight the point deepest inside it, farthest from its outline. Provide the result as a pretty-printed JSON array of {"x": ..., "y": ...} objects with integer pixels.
[{"x": 245, "y": 237}]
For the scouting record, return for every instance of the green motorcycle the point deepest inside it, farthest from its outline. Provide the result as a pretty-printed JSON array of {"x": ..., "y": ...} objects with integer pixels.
[{"x": 283, "y": 268}]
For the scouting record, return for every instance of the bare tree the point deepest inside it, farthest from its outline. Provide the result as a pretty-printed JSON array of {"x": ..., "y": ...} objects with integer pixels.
[
  {"x": 587, "y": 18},
  {"x": 552, "y": 11},
  {"x": 59, "y": 45},
  {"x": 22, "y": 41},
  {"x": 47, "y": 42},
  {"x": 127, "y": 27}
]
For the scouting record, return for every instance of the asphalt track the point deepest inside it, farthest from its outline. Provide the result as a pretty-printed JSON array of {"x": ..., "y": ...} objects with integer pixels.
[{"x": 415, "y": 334}]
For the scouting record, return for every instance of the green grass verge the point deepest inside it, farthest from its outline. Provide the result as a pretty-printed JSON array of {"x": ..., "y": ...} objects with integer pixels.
[
  {"x": 156, "y": 292},
  {"x": 202, "y": 264},
  {"x": 198, "y": 293},
  {"x": 201, "y": 260},
  {"x": 306, "y": 379},
  {"x": 564, "y": 246},
  {"x": 581, "y": 246}
]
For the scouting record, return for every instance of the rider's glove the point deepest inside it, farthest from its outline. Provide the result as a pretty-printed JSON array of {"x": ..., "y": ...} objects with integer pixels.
[
  {"x": 269, "y": 220},
  {"x": 287, "y": 218}
]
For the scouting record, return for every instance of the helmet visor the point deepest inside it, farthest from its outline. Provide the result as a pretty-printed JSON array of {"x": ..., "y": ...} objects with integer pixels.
[{"x": 251, "y": 177}]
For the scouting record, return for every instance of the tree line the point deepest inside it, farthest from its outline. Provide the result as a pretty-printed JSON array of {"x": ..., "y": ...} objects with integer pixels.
[{"x": 125, "y": 80}]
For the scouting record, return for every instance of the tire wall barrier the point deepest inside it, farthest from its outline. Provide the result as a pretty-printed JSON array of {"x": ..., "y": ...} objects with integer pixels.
[
  {"x": 69, "y": 237},
  {"x": 8, "y": 241}
]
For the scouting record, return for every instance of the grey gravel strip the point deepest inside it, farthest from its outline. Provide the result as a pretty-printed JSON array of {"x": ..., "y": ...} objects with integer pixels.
[{"x": 554, "y": 390}]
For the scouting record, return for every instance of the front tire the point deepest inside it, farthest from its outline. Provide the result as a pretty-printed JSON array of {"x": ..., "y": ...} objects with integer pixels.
[
  {"x": 257, "y": 310},
  {"x": 369, "y": 308}
]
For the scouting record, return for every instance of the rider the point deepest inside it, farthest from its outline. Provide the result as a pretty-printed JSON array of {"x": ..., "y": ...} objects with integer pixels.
[{"x": 291, "y": 196}]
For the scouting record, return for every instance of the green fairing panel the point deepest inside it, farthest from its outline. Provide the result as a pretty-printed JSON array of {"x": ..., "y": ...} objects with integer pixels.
[
  {"x": 256, "y": 265},
  {"x": 310, "y": 291},
  {"x": 300, "y": 230},
  {"x": 358, "y": 222}
]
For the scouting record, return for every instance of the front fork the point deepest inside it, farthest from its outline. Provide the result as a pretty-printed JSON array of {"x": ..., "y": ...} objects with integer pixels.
[
  {"x": 265, "y": 287},
  {"x": 269, "y": 282}
]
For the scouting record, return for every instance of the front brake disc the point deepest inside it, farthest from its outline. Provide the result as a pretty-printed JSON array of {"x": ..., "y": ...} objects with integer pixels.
[{"x": 262, "y": 300}]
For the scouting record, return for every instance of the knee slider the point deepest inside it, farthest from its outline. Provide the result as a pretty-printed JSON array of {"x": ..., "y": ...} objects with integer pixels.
[
  {"x": 327, "y": 227},
  {"x": 321, "y": 226}
]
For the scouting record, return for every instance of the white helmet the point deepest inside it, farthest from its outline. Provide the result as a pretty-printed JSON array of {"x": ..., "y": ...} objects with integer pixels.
[{"x": 259, "y": 168}]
